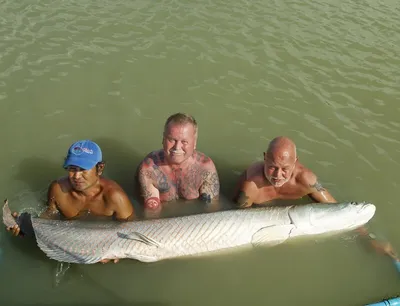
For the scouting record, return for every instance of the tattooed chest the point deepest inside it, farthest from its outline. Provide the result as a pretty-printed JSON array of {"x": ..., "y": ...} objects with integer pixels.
[
  {"x": 178, "y": 185},
  {"x": 161, "y": 181}
]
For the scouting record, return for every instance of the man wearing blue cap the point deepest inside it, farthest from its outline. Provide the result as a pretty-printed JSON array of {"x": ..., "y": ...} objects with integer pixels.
[{"x": 83, "y": 192}]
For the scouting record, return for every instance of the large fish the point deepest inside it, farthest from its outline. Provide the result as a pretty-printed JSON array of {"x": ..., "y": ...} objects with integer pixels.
[{"x": 88, "y": 242}]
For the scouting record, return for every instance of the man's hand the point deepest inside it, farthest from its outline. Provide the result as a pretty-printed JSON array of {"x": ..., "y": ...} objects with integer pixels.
[
  {"x": 152, "y": 208},
  {"x": 15, "y": 230}
]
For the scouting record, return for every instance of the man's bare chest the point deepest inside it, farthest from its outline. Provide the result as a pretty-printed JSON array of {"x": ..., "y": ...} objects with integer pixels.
[
  {"x": 72, "y": 207},
  {"x": 289, "y": 192}
]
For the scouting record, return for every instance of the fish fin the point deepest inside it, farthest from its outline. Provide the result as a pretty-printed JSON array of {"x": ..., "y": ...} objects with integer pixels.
[
  {"x": 8, "y": 219},
  {"x": 139, "y": 237},
  {"x": 272, "y": 235}
]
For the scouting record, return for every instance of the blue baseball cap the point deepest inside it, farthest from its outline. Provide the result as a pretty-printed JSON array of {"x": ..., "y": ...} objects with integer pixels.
[{"x": 84, "y": 154}]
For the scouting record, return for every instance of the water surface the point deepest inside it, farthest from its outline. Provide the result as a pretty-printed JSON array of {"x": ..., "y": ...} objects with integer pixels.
[{"x": 324, "y": 73}]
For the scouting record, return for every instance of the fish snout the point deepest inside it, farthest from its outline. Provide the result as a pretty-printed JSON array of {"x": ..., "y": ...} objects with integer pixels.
[{"x": 367, "y": 209}]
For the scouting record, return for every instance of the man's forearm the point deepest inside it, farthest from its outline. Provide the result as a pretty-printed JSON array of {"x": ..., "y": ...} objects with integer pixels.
[{"x": 50, "y": 214}]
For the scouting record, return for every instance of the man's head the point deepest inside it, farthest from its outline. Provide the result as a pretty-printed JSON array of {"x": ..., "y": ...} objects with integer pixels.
[
  {"x": 280, "y": 161},
  {"x": 84, "y": 164},
  {"x": 179, "y": 138}
]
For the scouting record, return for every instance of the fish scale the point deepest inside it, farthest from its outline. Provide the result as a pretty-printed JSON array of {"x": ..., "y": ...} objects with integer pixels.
[{"x": 88, "y": 242}]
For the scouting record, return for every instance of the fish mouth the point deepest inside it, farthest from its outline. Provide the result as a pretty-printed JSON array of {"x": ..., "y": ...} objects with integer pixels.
[{"x": 368, "y": 210}]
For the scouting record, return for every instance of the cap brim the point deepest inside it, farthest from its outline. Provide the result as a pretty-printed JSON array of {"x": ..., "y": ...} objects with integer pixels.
[{"x": 79, "y": 162}]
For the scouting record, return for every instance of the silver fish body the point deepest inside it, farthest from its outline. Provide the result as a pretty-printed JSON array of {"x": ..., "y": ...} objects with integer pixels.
[{"x": 88, "y": 242}]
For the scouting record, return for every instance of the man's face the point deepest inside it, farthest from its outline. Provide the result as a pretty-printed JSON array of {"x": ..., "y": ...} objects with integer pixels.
[
  {"x": 81, "y": 179},
  {"x": 179, "y": 142},
  {"x": 278, "y": 167}
]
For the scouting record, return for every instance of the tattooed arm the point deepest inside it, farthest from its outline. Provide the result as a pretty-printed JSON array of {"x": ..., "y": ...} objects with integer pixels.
[
  {"x": 315, "y": 190},
  {"x": 148, "y": 192},
  {"x": 209, "y": 189}
]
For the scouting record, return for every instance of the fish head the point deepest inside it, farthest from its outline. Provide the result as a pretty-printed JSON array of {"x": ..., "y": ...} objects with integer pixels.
[{"x": 320, "y": 218}]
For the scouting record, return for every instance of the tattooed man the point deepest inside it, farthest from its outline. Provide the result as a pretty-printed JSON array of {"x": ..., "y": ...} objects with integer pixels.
[
  {"x": 177, "y": 171},
  {"x": 281, "y": 176}
]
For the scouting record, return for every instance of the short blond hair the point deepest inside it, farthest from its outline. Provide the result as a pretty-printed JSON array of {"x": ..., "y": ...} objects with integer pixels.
[{"x": 181, "y": 118}]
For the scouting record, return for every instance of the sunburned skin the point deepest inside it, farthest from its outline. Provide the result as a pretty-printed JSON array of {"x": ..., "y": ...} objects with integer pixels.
[
  {"x": 178, "y": 171},
  {"x": 282, "y": 177},
  {"x": 197, "y": 180}
]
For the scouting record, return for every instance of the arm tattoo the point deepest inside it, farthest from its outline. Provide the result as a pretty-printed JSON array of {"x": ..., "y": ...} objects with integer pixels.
[
  {"x": 145, "y": 193},
  {"x": 160, "y": 180},
  {"x": 242, "y": 200},
  {"x": 210, "y": 187},
  {"x": 155, "y": 174},
  {"x": 144, "y": 175},
  {"x": 317, "y": 186}
]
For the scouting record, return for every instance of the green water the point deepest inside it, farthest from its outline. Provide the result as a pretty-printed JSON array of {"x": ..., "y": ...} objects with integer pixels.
[{"x": 325, "y": 73}]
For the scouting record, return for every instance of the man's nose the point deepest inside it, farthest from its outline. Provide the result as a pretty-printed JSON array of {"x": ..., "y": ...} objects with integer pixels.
[
  {"x": 77, "y": 174},
  {"x": 178, "y": 145},
  {"x": 278, "y": 173}
]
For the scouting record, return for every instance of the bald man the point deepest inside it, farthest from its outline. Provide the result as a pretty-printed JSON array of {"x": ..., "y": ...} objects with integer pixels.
[
  {"x": 282, "y": 176},
  {"x": 279, "y": 176}
]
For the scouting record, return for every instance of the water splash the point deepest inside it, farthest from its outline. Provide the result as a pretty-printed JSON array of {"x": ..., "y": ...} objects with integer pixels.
[{"x": 61, "y": 270}]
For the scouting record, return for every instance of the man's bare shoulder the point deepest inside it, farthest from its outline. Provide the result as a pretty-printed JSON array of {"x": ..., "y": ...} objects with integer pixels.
[
  {"x": 305, "y": 176},
  {"x": 309, "y": 181},
  {"x": 255, "y": 173},
  {"x": 59, "y": 186},
  {"x": 153, "y": 158},
  {"x": 255, "y": 170},
  {"x": 110, "y": 187},
  {"x": 112, "y": 190},
  {"x": 252, "y": 178},
  {"x": 204, "y": 161},
  {"x": 116, "y": 199}
]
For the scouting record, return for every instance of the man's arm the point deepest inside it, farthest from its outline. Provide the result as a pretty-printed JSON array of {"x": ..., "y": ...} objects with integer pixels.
[
  {"x": 148, "y": 192},
  {"x": 209, "y": 190},
  {"x": 316, "y": 191},
  {"x": 245, "y": 195},
  {"x": 52, "y": 211},
  {"x": 123, "y": 208},
  {"x": 383, "y": 247},
  {"x": 321, "y": 195}
]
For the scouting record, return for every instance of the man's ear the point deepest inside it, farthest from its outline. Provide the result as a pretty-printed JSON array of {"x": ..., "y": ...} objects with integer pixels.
[{"x": 100, "y": 167}]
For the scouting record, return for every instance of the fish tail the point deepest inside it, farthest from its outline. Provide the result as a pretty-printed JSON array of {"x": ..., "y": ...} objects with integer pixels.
[{"x": 8, "y": 218}]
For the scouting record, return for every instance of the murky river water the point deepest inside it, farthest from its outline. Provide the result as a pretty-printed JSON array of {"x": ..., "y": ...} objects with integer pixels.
[{"x": 325, "y": 73}]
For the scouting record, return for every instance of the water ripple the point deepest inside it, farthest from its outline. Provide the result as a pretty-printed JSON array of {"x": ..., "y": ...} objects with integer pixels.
[{"x": 322, "y": 72}]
